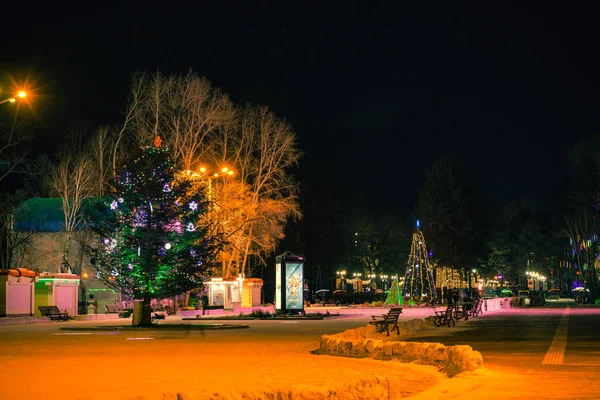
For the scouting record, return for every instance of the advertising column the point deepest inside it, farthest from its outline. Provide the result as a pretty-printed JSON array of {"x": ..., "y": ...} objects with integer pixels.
[{"x": 289, "y": 275}]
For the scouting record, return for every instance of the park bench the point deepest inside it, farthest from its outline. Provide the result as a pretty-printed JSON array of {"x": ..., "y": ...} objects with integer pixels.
[
  {"x": 445, "y": 317},
  {"x": 117, "y": 309},
  {"x": 54, "y": 313},
  {"x": 387, "y": 322}
]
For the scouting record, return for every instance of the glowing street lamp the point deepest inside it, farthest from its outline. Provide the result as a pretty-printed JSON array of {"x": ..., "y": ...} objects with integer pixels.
[
  {"x": 225, "y": 172},
  {"x": 21, "y": 94},
  {"x": 341, "y": 275},
  {"x": 384, "y": 279}
]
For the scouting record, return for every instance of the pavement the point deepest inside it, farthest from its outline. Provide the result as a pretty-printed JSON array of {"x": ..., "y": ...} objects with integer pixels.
[{"x": 273, "y": 358}]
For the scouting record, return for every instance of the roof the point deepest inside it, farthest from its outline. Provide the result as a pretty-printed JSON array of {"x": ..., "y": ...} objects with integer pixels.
[
  {"x": 40, "y": 214},
  {"x": 43, "y": 214}
]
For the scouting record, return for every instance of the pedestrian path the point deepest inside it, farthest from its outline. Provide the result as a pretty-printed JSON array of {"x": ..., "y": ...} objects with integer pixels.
[{"x": 556, "y": 352}]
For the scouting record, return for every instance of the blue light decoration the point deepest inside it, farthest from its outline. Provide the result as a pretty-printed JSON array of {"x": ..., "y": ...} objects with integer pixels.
[
  {"x": 418, "y": 223},
  {"x": 177, "y": 249}
]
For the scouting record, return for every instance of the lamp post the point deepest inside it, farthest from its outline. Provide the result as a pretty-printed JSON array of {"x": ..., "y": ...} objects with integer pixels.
[
  {"x": 384, "y": 279},
  {"x": 20, "y": 95},
  {"x": 474, "y": 272},
  {"x": 341, "y": 274},
  {"x": 225, "y": 172},
  {"x": 357, "y": 276},
  {"x": 372, "y": 280}
]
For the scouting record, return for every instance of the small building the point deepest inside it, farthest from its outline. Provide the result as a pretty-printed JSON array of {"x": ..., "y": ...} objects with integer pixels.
[
  {"x": 57, "y": 289},
  {"x": 234, "y": 292},
  {"x": 44, "y": 219},
  {"x": 251, "y": 292},
  {"x": 17, "y": 292}
]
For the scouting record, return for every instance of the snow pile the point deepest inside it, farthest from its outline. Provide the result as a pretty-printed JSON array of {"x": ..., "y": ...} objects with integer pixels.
[
  {"x": 367, "y": 342},
  {"x": 377, "y": 388}
]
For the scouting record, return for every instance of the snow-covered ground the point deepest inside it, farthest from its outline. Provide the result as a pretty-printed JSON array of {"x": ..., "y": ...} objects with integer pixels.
[{"x": 269, "y": 360}]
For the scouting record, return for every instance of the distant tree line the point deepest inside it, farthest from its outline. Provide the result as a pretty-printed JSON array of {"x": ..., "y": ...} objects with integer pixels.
[{"x": 462, "y": 229}]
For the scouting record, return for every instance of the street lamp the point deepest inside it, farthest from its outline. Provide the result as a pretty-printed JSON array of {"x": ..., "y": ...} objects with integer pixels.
[
  {"x": 384, "y": 278},
  {"x": 21, "y": 94},
  {"x": 372, "y": 281},
  {"x": 341, "y": 274},
  {"x": 224, "y": 173}
]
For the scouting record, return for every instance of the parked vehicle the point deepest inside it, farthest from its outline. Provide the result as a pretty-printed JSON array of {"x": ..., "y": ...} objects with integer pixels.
[{"x": 581, "y": 295}]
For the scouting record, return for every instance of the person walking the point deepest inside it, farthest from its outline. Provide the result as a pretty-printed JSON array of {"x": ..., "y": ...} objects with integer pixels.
[
  {"x": 455, "y": 297},
  {"x": 204, "y": 300}
]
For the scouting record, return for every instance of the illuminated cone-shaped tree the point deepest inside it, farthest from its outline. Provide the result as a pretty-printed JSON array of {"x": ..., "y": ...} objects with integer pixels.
[
  {"x": 151, "y": 241},
  {"x": 394, "y": 297},
  {"x": 418, "y": 281}
]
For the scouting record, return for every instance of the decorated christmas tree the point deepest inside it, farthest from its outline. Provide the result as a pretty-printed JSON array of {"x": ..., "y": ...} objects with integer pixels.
[
  {"x": 418, "y": 281},
  {"x": 152, "y": 243},
  {"x": 394, "y": 297}
]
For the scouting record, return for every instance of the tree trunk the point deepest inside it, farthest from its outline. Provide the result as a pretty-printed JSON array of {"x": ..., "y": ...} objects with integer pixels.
[
  {"x": 592, "y": 283},
  {"x": 146, "y": 318},
  {"x": 65, "y": 266}
]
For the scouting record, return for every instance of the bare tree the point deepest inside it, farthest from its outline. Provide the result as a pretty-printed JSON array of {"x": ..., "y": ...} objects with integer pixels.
[
  {"x": 101, "y": 146},
  {"x": 12, "y": 156},
  {"x": 263, "y": 149},
  {"x": 184, "y": 111},
  {"x": 201, "y": 126},
  {"x": 72, "y": 181},
  {"x": 138, "y": 83},
  {"x": 37, "y": 177},
  {"x": 14, "y": 241}
]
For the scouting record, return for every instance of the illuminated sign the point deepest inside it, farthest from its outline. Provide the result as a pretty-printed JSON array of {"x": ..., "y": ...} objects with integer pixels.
[{"x": 293, "y": 286}]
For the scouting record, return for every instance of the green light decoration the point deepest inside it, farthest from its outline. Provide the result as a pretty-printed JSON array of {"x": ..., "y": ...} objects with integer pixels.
[
  {"x": 394, "y": 297},
  {"x": 418, "y": 282},
  {"x": 144, "y": 249}
]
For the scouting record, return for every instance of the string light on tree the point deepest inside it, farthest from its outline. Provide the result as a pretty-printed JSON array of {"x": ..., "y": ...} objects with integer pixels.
[
  {"x": 146, "y": 253},
  {"x": 418, "y": 281}
]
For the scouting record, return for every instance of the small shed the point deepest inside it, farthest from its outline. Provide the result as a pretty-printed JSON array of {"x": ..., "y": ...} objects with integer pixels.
[
  {"x": 17, "y": 292},
  {"x": 57, "y": 289},
  {"x": 251, "y": 292}
]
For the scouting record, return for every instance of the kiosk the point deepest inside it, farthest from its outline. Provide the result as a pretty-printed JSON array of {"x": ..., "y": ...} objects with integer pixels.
[
  {"x": 289, "y": 276},
  {"x": 251, "y": 292},
  {"x": 61, "y": 290},
  {"x": 17, "y": 292}
]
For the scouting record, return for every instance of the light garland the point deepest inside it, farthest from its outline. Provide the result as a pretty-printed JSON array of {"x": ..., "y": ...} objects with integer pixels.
[{"x": 418, "y": 281}]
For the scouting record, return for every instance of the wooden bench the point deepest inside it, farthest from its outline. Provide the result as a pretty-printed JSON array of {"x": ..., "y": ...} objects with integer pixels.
[
  {"x": 387, "y": 322},
  {"x": 444, "y": 317},
  {"x": 117, "y": 309},
  {"x": 54, "y": 313}
]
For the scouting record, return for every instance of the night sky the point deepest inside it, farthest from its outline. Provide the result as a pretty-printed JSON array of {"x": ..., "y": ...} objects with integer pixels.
[{"x": 375, "y": 95}]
